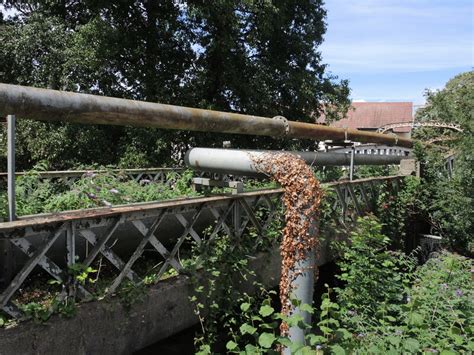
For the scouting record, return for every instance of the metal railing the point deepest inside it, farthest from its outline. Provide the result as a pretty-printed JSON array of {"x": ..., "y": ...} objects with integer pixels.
[
  {"x": 55, "y": 242},
  {"x": 69, "y": 177}
]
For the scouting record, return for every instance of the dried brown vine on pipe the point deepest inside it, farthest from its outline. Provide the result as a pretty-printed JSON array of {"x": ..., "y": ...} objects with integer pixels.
[{"x": 301, "y": 198}]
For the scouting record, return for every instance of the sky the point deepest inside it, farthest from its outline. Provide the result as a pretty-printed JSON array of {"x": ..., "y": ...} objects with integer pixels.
[{"x": 392, "y": 50}]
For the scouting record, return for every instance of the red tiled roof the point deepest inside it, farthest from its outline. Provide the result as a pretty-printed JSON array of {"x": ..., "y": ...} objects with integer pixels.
[{"x": 372, "y": 115}]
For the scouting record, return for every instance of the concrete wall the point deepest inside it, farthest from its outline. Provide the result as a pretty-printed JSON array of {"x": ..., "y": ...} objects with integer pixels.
[{"x": 106, "y": 327}]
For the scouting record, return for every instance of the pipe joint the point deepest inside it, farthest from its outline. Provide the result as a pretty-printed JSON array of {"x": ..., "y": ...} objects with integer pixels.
[{"x": 285, "y": 124}]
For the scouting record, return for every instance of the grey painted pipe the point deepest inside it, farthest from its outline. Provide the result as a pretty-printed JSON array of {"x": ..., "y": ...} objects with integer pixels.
[
  {"x": 302, "y": 285},
  {"x": 239, "y": 162}
]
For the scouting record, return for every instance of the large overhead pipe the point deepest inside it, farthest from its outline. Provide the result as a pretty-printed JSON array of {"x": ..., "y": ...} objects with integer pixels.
[
  {"x": 240, "y": 162},
  {"x": 53, "y": 105}
]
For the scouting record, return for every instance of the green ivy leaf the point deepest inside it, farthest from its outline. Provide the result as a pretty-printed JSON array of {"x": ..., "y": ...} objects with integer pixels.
[
  {"x": 337, "y": 350},
  {"x": 325, "y": 330},
  {"x": 265, "y": 340},
  {"x": 245, "y": 307},
  {"x": 284, "y": 341},
  {"x": 307, "y": 308},
  {"x": 231, "y": 345},
  {"x": 344, "y": 333},
  {"x": 295, "y": 348},
  {"x": 250, "y": 349},
  {"x": 470, "y": 345},
  {"x": 458, "y": 340},
  {"x": 305, "y": 351},
  {"x": 448, "y": 352},
  {"x": 416, "y": 319},
  {"x": 394, "y": 340},
  {"x": 272, "y": 325},
  {"x": 204, "y": 350},
  {"x": 313, "y": 339},
  {"x": 265, "y": 311},
  {"x": 247, "y": 329}
]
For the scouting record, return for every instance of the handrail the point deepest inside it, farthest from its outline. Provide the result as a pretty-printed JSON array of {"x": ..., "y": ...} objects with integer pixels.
[
  {"x": 100, "y": 212},
  {"x": 50, "y": 174}
]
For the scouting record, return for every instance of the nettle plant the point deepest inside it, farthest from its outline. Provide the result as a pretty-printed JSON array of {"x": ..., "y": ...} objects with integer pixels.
[
  {"x": 220, "y": 270},
  {"x": 259, "y": 332}
]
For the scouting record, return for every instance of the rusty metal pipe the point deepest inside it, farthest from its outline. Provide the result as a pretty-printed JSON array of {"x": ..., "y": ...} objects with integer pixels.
[{"x": 53, "y": 105}]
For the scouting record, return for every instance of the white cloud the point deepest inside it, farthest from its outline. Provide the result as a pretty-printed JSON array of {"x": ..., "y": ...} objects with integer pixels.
[{"x": 398, "y": 35}]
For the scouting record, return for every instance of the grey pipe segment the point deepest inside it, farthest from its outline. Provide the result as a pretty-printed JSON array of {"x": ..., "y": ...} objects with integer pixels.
[{"x": 241, "y": 162}]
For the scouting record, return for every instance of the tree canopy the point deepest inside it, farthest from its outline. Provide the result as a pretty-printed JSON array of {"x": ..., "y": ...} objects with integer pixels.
[{"x": 250, "y": 56}]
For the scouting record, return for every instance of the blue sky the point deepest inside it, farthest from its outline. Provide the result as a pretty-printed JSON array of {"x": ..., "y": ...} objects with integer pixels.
[{"x": 392, "y": 50}]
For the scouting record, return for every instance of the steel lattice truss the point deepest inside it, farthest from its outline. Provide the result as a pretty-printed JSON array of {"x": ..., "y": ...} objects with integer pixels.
[
  {"x": 436, "y": 124},
  {"x": 87, "y": 235}
]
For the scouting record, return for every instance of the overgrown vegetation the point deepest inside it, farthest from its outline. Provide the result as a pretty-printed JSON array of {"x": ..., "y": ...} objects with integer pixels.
[
  {"x": 447, "y": 201},
  {"x": 107, "y": 188},
  {"x": 35, "y": 195},
  {"x": 385, "y": 304}
]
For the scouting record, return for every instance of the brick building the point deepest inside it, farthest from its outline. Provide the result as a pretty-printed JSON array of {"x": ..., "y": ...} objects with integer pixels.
[{"x": 369, "y": 116}]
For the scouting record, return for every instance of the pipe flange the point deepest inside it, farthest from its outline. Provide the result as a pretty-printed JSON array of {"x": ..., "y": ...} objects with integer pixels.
[{"x": 286, "y": 125}]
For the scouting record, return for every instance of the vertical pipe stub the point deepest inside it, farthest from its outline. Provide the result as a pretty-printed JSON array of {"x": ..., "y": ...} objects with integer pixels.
[
  {"x": 11, "y": 167},
  {"x": 302, "y": 197}
]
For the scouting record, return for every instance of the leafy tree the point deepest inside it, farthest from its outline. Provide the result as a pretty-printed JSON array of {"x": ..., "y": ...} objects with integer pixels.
[
  {"x": 452, "y": 104},
  {"x": 253, "y": 57},
  {"x": 448, "y": 201},
  {"x": 260, "y": 57}
]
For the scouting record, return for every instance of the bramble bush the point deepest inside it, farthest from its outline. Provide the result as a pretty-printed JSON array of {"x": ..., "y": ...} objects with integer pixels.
[{"x": 397, "y": 210}]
